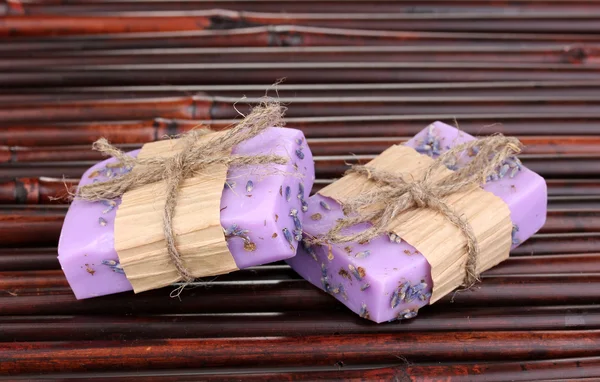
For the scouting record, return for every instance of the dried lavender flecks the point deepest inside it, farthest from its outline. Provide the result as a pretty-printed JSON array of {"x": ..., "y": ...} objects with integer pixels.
[
  {"x": 324, "y": 205},
  {"x": 356, "y": 272},
  {"x": 288, "y": 193},
  {"x": 431, "y": 143},
  {"x": 510, "y": 166},
  {"x": 111, "y": 204},
  {"x": 364, "y": 312},
  {"x": 114, "y": 265},
  {"x": 235, "y": 231},
  {"x": 249, "y": 186},
  {"x": 407, "y": 314},
  {"x": 288, "y": 236},
  {"x": 308, "y": 248},
  {"x": 304, "y": 205},
  {"x": 513, "y": 234}
]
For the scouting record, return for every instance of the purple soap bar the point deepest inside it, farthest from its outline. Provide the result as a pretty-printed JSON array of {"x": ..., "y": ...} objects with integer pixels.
[
  {"x": 388, "y": 279},
  {"x": 270, "y": 218}
]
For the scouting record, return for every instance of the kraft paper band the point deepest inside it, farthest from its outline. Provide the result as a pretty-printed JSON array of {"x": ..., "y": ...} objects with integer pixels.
[{"x": 139, "y": 237}]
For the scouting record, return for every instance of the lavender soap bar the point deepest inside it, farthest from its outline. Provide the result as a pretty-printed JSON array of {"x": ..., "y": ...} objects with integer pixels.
[
  {"x": 261, "y": 215},
  {"x": 388, "y": 279}
]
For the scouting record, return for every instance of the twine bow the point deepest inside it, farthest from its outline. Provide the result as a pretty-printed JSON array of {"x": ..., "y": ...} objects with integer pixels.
[
  {"x": 395, "y": 194},
  {"x": 195, "y": 156}
]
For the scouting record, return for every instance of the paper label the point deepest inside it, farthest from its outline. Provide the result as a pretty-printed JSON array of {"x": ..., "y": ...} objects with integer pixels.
[{"x": 139, "y": 238}]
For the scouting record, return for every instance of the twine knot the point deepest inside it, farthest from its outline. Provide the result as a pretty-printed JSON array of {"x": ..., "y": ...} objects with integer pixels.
[
  {"x": 395, "y": 194},
  {"x": 195, "y": 155}
]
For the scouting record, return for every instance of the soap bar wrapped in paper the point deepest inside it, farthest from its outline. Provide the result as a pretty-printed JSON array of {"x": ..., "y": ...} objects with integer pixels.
[
  {"x": 422, "y": 256},
  {"x": 224, "y": 219}
]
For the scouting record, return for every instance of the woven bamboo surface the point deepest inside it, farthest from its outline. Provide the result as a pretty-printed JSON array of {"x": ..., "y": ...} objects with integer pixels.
[{"x": 360, "y": 75}]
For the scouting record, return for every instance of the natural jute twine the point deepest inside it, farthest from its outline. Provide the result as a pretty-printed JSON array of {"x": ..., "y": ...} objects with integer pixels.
[
  {"x": 195, "y": 156},
  {"x": 395, "y": 194}
]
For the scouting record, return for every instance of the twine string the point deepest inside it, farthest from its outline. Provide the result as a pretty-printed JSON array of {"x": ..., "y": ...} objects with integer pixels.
[
  {"x": 194, "y": 157},
  {"x": 394, "y": 194}
]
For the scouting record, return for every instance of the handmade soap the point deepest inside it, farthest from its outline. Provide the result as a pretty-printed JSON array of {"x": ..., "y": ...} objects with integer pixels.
[
  {"x": 386, "y": 278},
  {"x": 261, "y": 215}
]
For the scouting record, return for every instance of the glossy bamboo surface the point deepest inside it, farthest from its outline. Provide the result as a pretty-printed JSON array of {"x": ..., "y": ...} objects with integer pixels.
[{"x": 360, "y": 76}]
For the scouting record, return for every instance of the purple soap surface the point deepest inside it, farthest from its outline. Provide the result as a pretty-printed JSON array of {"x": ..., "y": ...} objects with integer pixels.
[
  {"x": 388, "y": 279},
  {"x": 263, "y": 207}
]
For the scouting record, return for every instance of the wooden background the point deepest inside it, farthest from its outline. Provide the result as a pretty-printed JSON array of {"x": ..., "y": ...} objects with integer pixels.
[{"x": 360, "y": 75}]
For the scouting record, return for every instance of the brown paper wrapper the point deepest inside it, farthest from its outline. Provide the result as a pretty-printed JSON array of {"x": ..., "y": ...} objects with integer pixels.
[
  {"x": 442, "y": 244},
  {"x": 139, "y": 238}
]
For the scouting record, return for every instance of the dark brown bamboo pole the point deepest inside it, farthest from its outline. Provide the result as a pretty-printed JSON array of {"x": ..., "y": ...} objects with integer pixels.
[
  {"x": 282, "y": 35},
  {"x": 205, "y": 107},
  {"x": 33, "y": 357},
  {"x": 295, "y": 73},
  {"x": 563, "y": 243},
  {"x": 40, "y": 190},
  {"x": 294, "y": 324},
  {"x": 34, "y": 7},
  {"x": 31, "y": 226},
  {"x": 460, "y": 89},
  {"x": 291, "y": 295},
  {"x": 557, "y": 54},
  {"x": 15, "y": 259},
  {"x": 77, "y": 133},
  {"x": 196, "y": 107},
  {"x": 110, "y": 22},
  {"x": 586, "y": 21},
  {"x": 548, "y": 264},
  {"x": 569, "y": 370}
]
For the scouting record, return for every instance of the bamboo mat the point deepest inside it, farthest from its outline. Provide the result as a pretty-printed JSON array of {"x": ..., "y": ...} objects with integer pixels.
[{"x": 359, "y": 76}]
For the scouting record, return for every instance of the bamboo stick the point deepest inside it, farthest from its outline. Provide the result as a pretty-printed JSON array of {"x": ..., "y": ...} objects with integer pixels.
[
  {"x": 295, "y": 73},
  {"x": 54, "y": 134},
  {"x": 205, "y": 107},
  {"x": 294, "y": 324},
  {"x": 552, "y": 54},
  {"x": 281, "y": 35},
  {"x": 35, "y": 7},
  {"x": 584, "y": 21},
  {"x": 33, "y": 357},
  {"x": 21, "y": 259},
  {"x": 54, "y": 25},
  {"x": 290, "y": 295},
  {"x": 569, "y": 370},
  {"x": 460, "y": 89},
  {"x": 196, "y": 107}
]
